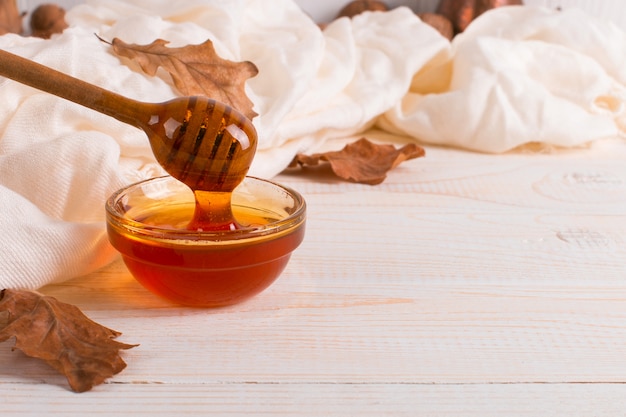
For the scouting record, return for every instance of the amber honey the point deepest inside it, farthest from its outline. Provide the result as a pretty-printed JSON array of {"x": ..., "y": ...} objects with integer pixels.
[{"x": 204, "y": 268}]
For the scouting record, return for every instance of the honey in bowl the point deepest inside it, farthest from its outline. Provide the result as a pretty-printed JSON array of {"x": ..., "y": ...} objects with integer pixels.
[
  {"x": 226, "y": 252},
  {"x": 147, "y": 223}
]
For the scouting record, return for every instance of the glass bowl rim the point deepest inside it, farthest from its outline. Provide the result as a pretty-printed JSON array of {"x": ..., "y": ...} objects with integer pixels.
[{"x": 290, "y": 222}]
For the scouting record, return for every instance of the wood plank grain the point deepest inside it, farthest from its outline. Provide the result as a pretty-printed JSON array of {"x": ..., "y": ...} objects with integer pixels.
[
  {"x": 612, "y": 9},
  {"x": 322, "y": 400}
]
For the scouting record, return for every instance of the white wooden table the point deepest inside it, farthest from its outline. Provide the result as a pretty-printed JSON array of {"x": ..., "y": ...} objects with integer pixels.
[{"x": 466, "y": 284}]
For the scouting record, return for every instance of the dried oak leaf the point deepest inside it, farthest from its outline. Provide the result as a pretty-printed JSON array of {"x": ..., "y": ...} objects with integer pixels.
[
  {"x": 362, "y": 161},
  {"x": 195, "y": 70},
  {"x": 61, "y": 335},
  {"x": 10, "y": 17}
]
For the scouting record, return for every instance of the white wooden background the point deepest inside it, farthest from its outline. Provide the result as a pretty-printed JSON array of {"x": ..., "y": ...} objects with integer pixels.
[{"x": 325, "y": 10}]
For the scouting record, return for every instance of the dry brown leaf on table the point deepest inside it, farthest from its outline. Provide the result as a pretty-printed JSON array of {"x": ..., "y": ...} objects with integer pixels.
[
  {"x": 195, "y": 70},
  {"x": 10, "y": 17},
  {"x": 362, "y": 161},
  {"x": 60, "y": 334}
]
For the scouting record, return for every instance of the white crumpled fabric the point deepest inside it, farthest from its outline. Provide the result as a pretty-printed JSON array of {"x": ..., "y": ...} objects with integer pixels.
[{"x": 518, "y": 75}]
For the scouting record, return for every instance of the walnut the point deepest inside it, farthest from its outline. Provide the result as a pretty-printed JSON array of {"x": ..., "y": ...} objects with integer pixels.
[
  {"x": 10, "y": 17},
  {"x": 439, "y": 22},
  {"x": 359, "y": 6},
  {"x": 462, "y": 12},
  {"x": 46, "y": 20}
]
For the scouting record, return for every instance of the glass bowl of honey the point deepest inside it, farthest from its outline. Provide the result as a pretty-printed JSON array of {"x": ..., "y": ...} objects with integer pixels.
[{"x": 147, "y": 223}]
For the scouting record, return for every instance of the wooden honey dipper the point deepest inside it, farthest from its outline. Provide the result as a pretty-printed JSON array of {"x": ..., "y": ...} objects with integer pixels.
[{"x": 206, "y": 144}]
